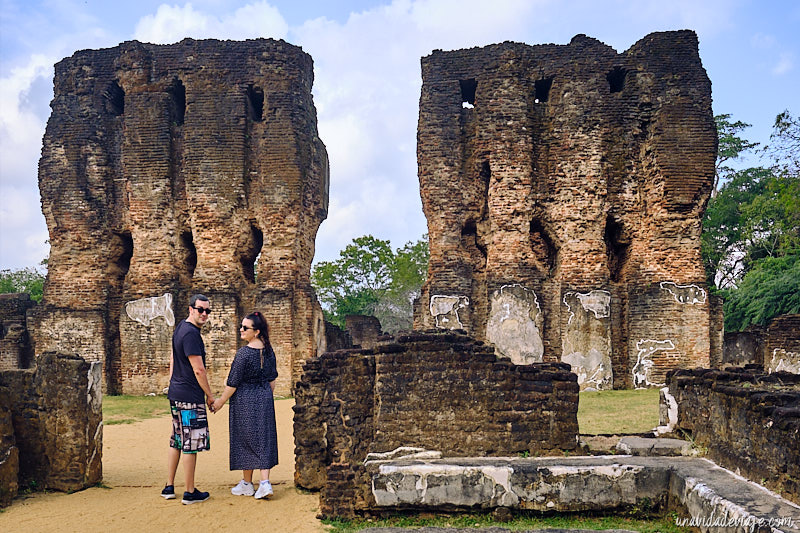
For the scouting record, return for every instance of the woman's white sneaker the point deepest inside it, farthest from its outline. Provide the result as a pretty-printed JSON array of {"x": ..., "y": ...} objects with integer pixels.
[
  {"x": 243, "y": 489},
  {"x": 264, "y": 490}
]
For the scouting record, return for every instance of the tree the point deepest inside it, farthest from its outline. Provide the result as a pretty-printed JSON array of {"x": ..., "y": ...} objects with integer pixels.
[
  {"x": 751, "y": 229},
  {"x": 731, "y": 146},
  {"x": 370, "y": 279},
  {"x": 28, "y": 280}
]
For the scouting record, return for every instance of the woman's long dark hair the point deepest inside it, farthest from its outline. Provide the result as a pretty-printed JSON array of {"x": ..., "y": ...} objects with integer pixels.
[{"x": 260, "y": 323}]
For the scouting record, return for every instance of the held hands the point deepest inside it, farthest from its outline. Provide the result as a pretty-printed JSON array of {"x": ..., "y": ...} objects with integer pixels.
[
  {"x": 210, "y": 401},
  {"x": 218, "y": 403}
]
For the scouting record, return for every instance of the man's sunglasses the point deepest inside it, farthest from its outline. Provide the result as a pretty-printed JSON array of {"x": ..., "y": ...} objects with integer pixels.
[{"x": 206, "y": 310}]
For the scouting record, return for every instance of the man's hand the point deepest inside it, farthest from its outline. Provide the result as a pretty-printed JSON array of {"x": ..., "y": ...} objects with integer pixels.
[{"x": 210, "y": 401}]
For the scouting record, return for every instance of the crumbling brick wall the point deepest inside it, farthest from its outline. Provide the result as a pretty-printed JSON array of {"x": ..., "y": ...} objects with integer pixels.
[
  {"x": 747, "y": 420},
  {"x": 434, "y": 390},
  {"x": 15, "y": 346},
  {"x": 564, "y": 187},
  {"x": 55, "y": 429},
  {"x": 782, "y": 346},
  {"x": 169, "y": 170}
]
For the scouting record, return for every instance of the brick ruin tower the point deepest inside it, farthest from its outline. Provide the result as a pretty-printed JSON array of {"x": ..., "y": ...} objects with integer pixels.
[
  {"x": 564, "y": 187},
  {"x": 171, "y": 170}
]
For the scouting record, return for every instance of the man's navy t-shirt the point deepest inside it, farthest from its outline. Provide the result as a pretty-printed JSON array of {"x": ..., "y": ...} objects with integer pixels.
[{"x": 183, "y": 386}]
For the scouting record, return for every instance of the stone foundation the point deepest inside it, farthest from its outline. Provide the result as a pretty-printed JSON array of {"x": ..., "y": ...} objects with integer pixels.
[
  {"x": 436, "y": 391},
  {"x": 747, "y": 420},
  {"x": 52, "y": 421}
]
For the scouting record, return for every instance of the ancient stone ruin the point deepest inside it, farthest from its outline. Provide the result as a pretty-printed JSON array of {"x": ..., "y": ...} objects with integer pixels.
[
  {"x": 746, "y": 420},
  {"x": 564, "y": 187},
  {"x": 51, "y": 430},
  {"x": 441, "y": 392},
  {"x": 172, "y": 170}
]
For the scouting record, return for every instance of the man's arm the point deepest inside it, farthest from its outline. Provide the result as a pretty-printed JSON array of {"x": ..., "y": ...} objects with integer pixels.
[{"x": 202, "y": 378}]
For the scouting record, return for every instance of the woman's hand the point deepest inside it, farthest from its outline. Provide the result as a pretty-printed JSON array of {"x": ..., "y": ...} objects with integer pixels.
[{"x": 217, "y": 405}]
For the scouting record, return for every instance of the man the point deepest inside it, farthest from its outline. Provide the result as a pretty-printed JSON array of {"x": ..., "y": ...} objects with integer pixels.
[{"x": 189, "y": 393}]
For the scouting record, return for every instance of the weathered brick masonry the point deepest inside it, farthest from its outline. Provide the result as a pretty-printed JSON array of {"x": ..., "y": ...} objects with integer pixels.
[
  {"x": 15, "y": 345},
  {"x": 169, "y": 170},
  {"x": 438, "y": 391},
  {"x": 748, "y": 421},
  {"x": 51, "y": 425},
  {"x": 564, "y": 187}
]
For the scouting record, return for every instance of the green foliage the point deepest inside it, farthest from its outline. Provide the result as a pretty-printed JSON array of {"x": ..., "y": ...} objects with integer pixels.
[
  {"x": 370, "y": 279},
  {"x": 28, "y": 280},
  {"x": 770, "y": 289},
  {"x": 731, "y": 146},
  {"x": 751, "y": 229}
]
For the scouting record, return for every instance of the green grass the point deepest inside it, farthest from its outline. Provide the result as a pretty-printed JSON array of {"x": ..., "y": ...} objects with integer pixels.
[
  {"x": 130, "y": 409},
  {"x": 602, "y": 412},
  {"x": 661, "y": 524},
  {"x": 617, "y": 411}
]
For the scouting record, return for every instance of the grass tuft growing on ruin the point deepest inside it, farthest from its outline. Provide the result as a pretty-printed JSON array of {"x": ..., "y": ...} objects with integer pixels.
[
  {"x": 617, "y": 412},
  {"x": 659, "y": 524}
]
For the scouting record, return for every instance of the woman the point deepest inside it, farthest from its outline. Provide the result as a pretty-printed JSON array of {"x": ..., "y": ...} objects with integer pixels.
[{"x": 251, "y": 382}]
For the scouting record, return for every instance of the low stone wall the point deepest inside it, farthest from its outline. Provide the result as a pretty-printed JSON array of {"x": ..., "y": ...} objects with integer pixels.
[
  {"x": 55, "y": 425},
  {"x": 749, "y": 421},
  {"x": 434, "y": 390}
]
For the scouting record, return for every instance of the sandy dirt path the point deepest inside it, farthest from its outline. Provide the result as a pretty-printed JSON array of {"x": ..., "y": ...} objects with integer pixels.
[{"x": 134, "y": 472}]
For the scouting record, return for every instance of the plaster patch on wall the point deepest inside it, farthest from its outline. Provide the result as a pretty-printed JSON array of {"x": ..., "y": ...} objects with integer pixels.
[
  {"x": 598, "y": 302},
  {"x": 586, "y": 344},
  {"x": 146, "y": 310},
  {"x": 783, "y": 361},
  {"x": 685, "y": 294},
  {"x": 668, "y": 413},
  {"x": 445, "y": 310},
  {"x": 514, "y": 325},
  {"x": 641, "y": 370},
  {"x": 433, "y": 484}
]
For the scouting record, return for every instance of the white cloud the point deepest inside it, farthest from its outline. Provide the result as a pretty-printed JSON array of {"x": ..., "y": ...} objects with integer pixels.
[
  {"x": 784, "y": 65},
  {"x": 21, "y": 123},
  {"x": 173, "y": 23}
]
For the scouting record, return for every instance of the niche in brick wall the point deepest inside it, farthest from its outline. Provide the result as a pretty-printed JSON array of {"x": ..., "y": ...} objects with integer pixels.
[
  {"x": 542, "y": 246},
  {"x": 541, "y": 90},
  {"x": 474, "y": 245},
  {"x": 617, "y": 243},
  {"x": 255, "y": 103},
  {"x": 616, "y": 79},
  {"x": 189, "y": 253},
  {"x": 468, "y": 89},
  {"x": 251, "y": 254},
  {"x": 177, "y": 93},
  {"x": 120, "y": 254},
  {"x": 114, "y": 99}
]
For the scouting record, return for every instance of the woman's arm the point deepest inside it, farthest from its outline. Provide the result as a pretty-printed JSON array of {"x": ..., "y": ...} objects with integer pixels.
[{"x": 226, "y": 394}]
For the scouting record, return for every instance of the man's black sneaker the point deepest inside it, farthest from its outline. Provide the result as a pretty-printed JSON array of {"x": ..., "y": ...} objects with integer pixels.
[
  {"x": 194, "y": 497},
  {"x": 168, "y": 493}
]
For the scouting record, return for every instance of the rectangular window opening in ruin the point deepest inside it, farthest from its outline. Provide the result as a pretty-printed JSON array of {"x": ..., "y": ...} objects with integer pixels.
[
  {"x": 177, "y": 93},
  {"x": 255, "y": 103},
  {"x": 114, "y": 99},
  {"x": 468, "y": 89},
  {"x": 616, "y": 79},
  {"x": 541, "y": 90}
]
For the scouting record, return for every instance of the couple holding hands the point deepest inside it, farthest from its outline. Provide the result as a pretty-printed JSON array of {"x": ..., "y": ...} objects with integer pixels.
[{"x": 249, "y": 387}]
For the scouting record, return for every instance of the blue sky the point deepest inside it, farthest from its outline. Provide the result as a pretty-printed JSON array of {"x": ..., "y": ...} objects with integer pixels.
[{"x": 367, "y": 79}]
